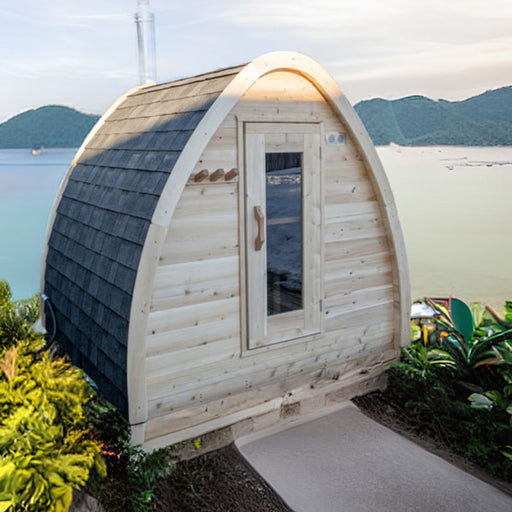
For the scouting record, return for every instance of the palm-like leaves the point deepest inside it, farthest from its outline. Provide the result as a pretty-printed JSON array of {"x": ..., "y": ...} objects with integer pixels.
[
  {"x": 424, "y": 360},
  {"x": 475, "y": 351}
]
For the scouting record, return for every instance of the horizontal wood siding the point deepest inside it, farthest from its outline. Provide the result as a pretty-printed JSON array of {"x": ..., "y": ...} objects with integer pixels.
[{"x": 194, "y": 353}]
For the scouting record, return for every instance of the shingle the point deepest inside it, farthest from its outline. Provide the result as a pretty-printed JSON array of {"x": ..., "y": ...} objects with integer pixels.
[
  {"x": 86, "y": 304},
  {"x": 161, "y": 140},
  {"x": 98, "y": 239},
  {"x": 97, "y": 218},
  {"x": 141, "y": 205},
  {"x": 117, "y": 327},
  {"x": 157, "y": 95},
  {"x": 92, "y": 353},
  {"x": 100, "y": 314},
  {"x": 202, "y": 102},
  {"x": 108, "y": 177},
  {"x": 94, "y": 286},
  {"x": 152, "y": 160},
  {"x": 114, "y": 300},
  {"x": 108, "y": 199},
  {"x": 66, "y": 207},
  {"x": 81, "y": 277},
  {"x": 143, "y": 141},
  {"x": 110, "y": 248},
  {"x": 194, "y": 119},
  {"x": 81, "y": 173},
  {"x": 180, "y": 140},
  {"x": 124, "y": 278},
  {"x": 102, "y": 266},
  {"x": 135, "y": 160},
  {"x": 128, "y": 255},
  {"x": 145, "y": 181},
  {"x": 160, "y": 183},
  {"x": 137, "y": 111},
  {"x": 89, "y": 259},
  {"x": 109, "y": 223},
  {"x": 116, "y": 157},
  {"x": 169, "y": 161},
  {"x": 120, "y": 222},
  {"x": 73, "y": 189},
  {"x": 102, "y": 364},
  {"x": 126, "y": 304},
  {"x": 84, "y": 214},
  {"x": 135, "y": 229}
]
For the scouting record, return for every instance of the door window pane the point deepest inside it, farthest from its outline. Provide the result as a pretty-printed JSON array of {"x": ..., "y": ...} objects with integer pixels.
[{"x": 284, "y": 231}]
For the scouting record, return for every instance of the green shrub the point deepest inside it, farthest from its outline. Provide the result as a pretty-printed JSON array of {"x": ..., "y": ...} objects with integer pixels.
[
  {"x": 17, "y": 318},
  {"x": 5, "y": 294},
  {"x": 132, "y": 473},
  {"x": 52, "y": 433},
  {"x": 433, "y": 398},
  {"x": 45, "y": 449}
]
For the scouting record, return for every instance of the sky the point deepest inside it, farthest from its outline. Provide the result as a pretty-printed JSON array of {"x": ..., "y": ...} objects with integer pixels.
[{"x": 83, "y": 53}]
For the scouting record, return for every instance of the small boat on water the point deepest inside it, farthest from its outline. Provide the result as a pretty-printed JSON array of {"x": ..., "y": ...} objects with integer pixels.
[{"x": 36, "y": 150}]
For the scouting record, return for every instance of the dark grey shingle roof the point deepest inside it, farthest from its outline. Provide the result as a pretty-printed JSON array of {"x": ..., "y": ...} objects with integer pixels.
[{"x": 103, "y": 217}]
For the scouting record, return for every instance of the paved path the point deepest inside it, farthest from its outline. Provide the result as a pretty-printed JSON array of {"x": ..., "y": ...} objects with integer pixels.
[{"x": 346, "y": 462}]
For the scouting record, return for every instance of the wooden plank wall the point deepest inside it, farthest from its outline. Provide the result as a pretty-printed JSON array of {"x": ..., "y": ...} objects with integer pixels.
[{"x": 194, "y": 352}]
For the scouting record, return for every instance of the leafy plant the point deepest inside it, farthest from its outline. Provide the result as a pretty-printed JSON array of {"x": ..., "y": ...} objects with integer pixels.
[
  {"x": 478, "y": 352},
  {"x": 481, "y": 319},
  {"x": 132, "y": 472},
  {"x": 470, "y": 352},
  {"x": 17, "y": 318},
  {"x": 45, "y": 447},
  {"x": 441, "y": 388},
  {"x": 425, "y": 359},
  {"x": 5, "y": 294},
  {"x": 508, "y": 309}
]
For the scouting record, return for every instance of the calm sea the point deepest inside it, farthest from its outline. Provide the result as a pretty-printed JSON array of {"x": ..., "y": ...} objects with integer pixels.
[
  {"x": 454, "y": 203},
  {"x": 28, "y": 185},
  {"x": 455, "y": 207}
]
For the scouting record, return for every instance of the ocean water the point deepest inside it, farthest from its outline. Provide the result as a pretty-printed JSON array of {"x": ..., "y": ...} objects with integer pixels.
[
  {"x": 454, "y": 204},
  {"x": 28, "y": 186},
  {"x": 455, "y": 208}
]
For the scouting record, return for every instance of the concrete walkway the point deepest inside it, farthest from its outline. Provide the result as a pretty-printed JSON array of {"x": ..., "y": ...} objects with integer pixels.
[{"x": 346, "y": 462}]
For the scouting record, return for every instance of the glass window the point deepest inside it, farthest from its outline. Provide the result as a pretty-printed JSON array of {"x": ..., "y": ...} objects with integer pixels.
[{"x": 284, "y": 231}]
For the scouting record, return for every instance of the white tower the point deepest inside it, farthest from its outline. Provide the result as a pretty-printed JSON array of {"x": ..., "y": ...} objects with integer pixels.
[{"x": 145, "y": 22}]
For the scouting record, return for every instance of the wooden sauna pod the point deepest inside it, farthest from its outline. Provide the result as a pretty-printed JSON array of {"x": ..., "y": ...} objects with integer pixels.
[{"x": 225, "y": 252}]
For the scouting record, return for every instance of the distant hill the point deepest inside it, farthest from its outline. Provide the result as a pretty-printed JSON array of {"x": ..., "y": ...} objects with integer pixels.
[
  {"x": 52, "y": 126},
  {"x": 484, "y": 120}
]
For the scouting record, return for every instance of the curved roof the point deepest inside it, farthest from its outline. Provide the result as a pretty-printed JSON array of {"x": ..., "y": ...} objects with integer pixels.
[{"x": 106, "y": 205}]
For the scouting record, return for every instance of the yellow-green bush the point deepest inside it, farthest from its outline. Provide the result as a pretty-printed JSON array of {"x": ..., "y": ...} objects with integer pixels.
[
  {"x": 45, "y": 447},
  {"x": 16, "y": 317}
]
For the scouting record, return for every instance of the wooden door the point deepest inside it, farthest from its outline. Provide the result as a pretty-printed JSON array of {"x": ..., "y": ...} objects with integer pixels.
[{"x": 283, "y": 231}]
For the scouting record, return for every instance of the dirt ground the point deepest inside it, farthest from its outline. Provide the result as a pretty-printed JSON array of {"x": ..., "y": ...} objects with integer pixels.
[{"x": 220, "y": 481}]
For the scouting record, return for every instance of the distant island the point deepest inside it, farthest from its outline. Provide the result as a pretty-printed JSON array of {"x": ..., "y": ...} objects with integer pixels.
[
  {"x": 483, "y": 120},
  {"x": 52, "y": 126}
]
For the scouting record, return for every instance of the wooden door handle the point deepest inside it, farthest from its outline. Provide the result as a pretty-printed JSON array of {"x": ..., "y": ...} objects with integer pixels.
[{"x": 260, "y": 218}]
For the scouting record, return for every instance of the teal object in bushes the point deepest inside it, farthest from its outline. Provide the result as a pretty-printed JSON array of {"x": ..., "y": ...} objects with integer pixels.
[{"x": 462, "y": 318}]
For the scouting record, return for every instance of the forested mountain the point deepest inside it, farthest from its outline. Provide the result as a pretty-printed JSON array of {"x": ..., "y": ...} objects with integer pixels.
[
  {"x": 484, "y": 120},
  {"x": 51, "y": 126}
]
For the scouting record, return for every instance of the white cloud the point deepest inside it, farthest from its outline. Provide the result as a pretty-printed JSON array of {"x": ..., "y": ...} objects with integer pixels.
[{"x": 87, "y": 50}]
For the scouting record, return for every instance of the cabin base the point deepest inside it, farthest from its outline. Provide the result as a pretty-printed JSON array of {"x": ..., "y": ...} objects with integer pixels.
[{"x": 319, "y": 392}]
